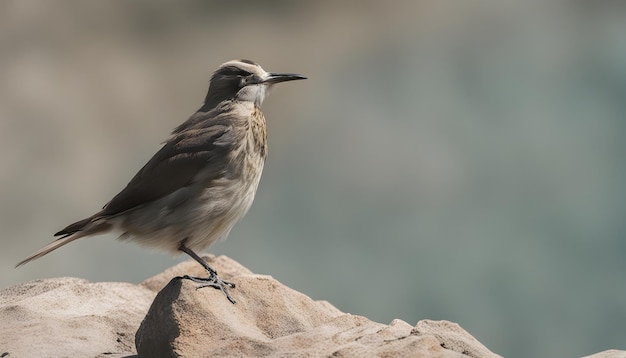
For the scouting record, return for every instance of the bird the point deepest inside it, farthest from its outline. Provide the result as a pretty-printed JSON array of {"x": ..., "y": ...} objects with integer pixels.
[{"x": 201, "y": 181}]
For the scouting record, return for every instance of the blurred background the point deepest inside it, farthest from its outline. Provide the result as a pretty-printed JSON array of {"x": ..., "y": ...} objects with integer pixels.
[{"x": 458, "y": 160}]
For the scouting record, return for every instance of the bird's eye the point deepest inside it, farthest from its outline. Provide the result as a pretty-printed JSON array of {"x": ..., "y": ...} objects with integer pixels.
[{"x": 244, "y": 74}]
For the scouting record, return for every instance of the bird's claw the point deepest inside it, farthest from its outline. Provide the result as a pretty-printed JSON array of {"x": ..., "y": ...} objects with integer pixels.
[{"x": 213, "y": 281}]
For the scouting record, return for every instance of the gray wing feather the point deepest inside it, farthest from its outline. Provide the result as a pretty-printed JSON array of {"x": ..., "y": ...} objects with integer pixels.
[{"x": 177, "y": 163}]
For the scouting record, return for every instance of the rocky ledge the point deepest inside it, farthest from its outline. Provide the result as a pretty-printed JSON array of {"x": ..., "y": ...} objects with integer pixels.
[{"x": 166, "y": 316}]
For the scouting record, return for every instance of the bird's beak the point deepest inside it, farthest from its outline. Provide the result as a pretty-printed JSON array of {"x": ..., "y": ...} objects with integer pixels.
[{"x": 273, "y": 77}]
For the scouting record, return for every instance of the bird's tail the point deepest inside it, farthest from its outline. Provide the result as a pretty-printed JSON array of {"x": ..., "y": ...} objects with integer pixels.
[
  {"x": 52, "y": 246},
  {"x": 82, "y": 228},
  {"x": 74, "y": 228}
]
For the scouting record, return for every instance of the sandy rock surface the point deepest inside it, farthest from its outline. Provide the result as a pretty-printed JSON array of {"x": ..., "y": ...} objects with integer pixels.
[
  {"x": 167, "y": 316},
  {"x": 71, "y": 317},
  {"x": 270, "y": 319},
  {"x": 612, "y": 353}
]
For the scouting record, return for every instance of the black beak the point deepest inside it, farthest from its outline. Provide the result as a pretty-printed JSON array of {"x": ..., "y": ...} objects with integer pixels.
[{"x": 282, "y": 77}]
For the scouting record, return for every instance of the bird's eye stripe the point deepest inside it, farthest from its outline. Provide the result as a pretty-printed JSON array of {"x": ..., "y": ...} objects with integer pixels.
[{"x": 234, "y": 71}]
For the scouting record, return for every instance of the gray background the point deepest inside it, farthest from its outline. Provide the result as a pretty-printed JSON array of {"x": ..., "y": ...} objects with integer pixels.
[{"x": 459, "y": 160}]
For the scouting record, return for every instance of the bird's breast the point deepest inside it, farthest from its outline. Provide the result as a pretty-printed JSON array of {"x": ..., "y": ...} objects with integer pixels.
[
  {"x": 258, "y": 133},
  {"x": 250, "y": 159}
]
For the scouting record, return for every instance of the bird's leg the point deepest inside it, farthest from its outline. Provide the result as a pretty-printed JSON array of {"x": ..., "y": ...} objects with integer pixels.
[{"x": 213, "y": 280}]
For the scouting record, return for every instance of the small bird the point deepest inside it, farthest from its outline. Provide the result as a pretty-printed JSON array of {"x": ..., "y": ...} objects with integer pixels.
[{"x": 203, "y": 179}]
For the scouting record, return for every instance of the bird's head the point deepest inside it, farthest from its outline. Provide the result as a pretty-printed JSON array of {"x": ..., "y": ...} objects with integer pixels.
[{"x": 243, "y": 80}]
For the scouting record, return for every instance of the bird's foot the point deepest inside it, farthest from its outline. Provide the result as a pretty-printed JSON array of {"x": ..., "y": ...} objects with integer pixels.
[{"x": 213, "y": 281}]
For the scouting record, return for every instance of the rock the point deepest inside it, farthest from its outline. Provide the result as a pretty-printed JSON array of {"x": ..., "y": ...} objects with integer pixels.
[
  {"x": 271, "y": 319},
  {"x": 608, "y": 354},
  {"x": 71, "y": 317}
]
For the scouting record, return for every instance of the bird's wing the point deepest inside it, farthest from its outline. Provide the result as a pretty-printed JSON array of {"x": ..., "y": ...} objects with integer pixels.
[{"x": 175, "y": 165}]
